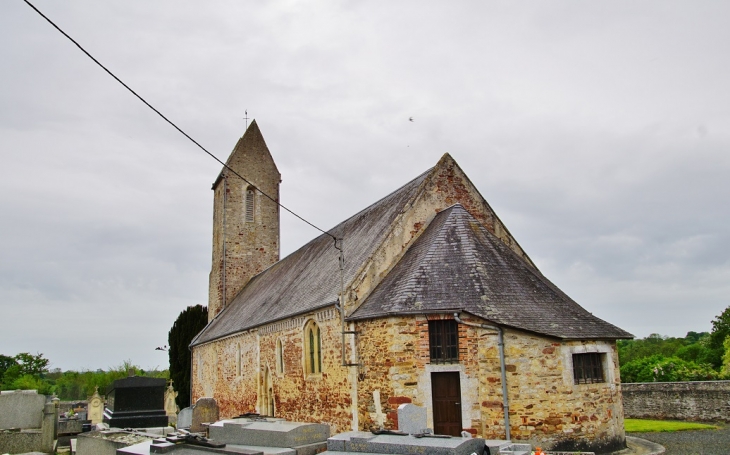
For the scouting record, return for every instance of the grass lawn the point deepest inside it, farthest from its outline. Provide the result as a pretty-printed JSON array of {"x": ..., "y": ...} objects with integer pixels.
[{"x": 647, "y": 426}]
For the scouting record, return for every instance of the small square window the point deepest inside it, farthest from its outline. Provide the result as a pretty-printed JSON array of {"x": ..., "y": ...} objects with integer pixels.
[
  {"x": 588, "y": 368},
  {"x": 443, "y": 340}
]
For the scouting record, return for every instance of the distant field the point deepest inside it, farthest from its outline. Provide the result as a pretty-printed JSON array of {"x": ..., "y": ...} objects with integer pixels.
[{"x": 648, "y": 426}]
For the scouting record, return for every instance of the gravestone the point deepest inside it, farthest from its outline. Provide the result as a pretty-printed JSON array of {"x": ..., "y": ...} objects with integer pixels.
[
  {"x": 96, "y": 407},
  {"x": 21, "y": 409},
  {"x": 136, "y": 402},
  {"x": 33, "y": 419},
  {"x": 185, "y": 418},
  {"x": 204, "y": 411},
  {"x": 411, "y": 418}
]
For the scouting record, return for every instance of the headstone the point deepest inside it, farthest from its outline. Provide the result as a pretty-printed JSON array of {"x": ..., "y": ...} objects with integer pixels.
[
  {"x": 411, "y": 418},
  {"x": 136, "y": 402},
  {"x": 204, "y": 411},
  {"x": 96, "y": 407},
  {"x": 185, "y": 418},
  {"x": 32, "y": 419},
  {"x": 21, "y": 409}
]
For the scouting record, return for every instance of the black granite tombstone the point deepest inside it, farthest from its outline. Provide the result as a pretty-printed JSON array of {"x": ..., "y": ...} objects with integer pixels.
[{"x": 136, "y": 402}]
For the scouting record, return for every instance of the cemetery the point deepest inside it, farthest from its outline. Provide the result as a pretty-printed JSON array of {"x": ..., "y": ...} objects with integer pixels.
[{"x": 137, "y": 417}]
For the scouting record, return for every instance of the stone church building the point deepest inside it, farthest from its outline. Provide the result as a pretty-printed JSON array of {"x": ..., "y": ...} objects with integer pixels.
[{"x": 440, "y": 307}]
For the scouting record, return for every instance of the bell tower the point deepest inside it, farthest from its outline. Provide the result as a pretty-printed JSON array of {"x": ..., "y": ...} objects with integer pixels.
[{"x": 245, "y": 220}]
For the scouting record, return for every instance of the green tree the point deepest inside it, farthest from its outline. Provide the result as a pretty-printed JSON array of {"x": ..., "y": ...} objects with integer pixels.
[
  {"x": 658, "y": 368},
  {"x": 188, "y": 324},
  {"x": 6, "y": 363},
  {"x": 32, "y": 364},
  {"x": 720, "y": 331}
]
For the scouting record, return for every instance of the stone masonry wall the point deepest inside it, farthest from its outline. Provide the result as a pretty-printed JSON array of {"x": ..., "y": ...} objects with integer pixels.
[
  {"x": 323, "y": 398},
  {"x": 702, "y": 401},
  {"x": 546, "y": 407}
]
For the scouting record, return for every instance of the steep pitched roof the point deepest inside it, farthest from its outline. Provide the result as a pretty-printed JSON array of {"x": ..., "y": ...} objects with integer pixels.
[
  {"x": 458, "y": 265},
  {"x": 309, "y": 278}
]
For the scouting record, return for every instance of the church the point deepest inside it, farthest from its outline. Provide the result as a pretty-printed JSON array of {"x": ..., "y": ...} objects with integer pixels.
[{"x": 423, "y": 297}]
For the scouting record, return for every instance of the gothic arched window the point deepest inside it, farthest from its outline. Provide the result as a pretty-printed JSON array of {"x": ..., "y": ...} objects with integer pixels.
[{"x": 312, "y": 348}]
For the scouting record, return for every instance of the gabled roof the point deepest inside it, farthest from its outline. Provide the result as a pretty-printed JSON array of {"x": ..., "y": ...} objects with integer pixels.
[
  {"x": 309, "y": 278},
  {"x": 458, "y": 265}
]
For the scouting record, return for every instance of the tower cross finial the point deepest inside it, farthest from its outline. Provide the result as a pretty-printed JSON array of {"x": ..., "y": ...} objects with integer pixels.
[{"x": 245, "y": 117}]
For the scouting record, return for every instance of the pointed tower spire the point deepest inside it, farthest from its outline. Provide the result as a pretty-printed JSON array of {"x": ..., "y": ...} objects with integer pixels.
[{"x": 245, "y": 221}]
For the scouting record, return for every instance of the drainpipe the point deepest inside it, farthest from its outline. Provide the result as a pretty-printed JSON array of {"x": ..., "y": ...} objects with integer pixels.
[
  {"x": 500, "y": 344},
  {"x": 341, "y": 307}
]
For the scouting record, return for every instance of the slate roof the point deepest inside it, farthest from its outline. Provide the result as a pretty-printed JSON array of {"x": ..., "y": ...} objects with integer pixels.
[
  {"x": 309, "y": 278},
  {"x": 458, "y": 265}
]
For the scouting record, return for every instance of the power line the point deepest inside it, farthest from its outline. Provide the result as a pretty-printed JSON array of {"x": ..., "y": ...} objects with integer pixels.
[{"x": 171, "y": 123}]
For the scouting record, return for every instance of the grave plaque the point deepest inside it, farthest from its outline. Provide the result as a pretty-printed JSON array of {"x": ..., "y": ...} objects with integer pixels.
[{"x": 136, "y": 402}]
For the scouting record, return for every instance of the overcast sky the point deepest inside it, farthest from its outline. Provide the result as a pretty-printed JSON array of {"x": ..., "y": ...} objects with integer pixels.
[{"x": 598, "y": 131}]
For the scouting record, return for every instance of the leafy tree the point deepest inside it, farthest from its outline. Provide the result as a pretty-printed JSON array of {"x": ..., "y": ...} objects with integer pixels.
[
  {"x": 32, "y": 364},
  {"x": 658, "y": 368},
  {"x": 188, "y": 324},
  {"x": 720, "y": 331},
  {"x": 6, "y": 363}
]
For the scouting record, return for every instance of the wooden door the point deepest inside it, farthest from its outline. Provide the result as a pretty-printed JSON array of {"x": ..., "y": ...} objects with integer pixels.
[{"x": 446, "y": 393}]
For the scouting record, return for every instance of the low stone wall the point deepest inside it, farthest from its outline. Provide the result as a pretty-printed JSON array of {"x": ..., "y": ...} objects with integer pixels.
[{"x": 702, "y": 401}]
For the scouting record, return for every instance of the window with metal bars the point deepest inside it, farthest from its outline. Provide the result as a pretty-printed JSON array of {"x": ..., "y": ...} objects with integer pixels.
[
  {"x": 588, "y": 368},
  {"x": 443, "y": 340}
]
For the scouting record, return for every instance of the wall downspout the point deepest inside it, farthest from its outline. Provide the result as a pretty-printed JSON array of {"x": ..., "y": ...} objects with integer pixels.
[
  {"x": 500, "y": 344},
  {"x": 354, "y": 360},
  {"x": 341, "y": 307}
]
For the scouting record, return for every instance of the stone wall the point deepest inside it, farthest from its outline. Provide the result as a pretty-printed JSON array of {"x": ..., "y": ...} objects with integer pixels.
[
  {"x": 703, "y": 401},
  {"x": 546, "y": 407},
  {"x": 238, "y": 371}
]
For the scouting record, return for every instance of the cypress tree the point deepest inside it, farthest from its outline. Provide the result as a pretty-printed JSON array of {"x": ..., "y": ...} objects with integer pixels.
[{"x": 188, "y": 324}]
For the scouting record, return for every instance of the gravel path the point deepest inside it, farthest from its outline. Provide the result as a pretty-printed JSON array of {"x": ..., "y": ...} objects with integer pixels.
[{"x": 695, "y": 442}]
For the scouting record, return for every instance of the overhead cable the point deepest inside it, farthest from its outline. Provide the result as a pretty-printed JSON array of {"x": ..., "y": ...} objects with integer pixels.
[{"x": 171, "y": 123}]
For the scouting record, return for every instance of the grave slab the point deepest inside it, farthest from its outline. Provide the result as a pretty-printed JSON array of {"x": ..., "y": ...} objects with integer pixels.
[
  {"x": 107, "y": 442},
  {"x": 410, "y": 445},
  {"x": 270, "y": 434}
]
